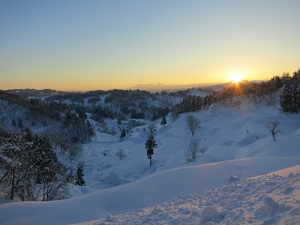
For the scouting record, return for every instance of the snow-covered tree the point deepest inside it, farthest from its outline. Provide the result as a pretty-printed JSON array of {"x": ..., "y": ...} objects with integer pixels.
[
  {"x": 51, "y": 174},
  {"x": 290, "y": 98},
  {"x": 30, "y": 167},
  {"x": 17, "y": 155},
  {"x": 192, "y": 123}
]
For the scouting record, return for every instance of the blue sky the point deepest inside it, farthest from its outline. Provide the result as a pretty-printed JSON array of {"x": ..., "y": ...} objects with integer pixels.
[{"x": 85, "y": 45}]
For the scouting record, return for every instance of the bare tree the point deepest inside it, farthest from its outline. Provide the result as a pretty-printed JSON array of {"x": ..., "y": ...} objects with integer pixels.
[
  {"x": 272, "y": 125},
  {"x": 191, "y": 154},
  {"x": 192, "y": 123}
]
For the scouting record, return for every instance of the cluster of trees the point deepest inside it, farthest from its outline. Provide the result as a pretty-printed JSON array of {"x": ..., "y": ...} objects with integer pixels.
[
  {"x": 287, "y": 86},
  {"x": 192, "y": 124},
  {"x": 290, "y": 93},
  {"x": 194, "y": 103},
  {"x": 284, "y": 88},
  {"x": 77, "y": 127},
  {"x": 70, "y": 121},
  {"x": 30, "y": 169}
]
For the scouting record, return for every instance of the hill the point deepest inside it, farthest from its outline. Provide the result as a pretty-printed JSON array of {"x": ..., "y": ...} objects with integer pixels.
[{"x": 235, "y": 142}]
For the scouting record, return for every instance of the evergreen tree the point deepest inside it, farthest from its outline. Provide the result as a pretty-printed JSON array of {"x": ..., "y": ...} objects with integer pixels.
[
  {"x": 16, "y": 153},
  {"x": 150, "y": 145},
  {"x": 164, "y": 121},
  {"x": 290, "y": 98},
  {"x": 79, "y": 175},
  {"x": 123, "y": 133},
  {"x": 51, "y": 173}
]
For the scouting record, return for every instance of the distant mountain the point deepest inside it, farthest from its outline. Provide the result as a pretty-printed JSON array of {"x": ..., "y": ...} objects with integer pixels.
[
  {"x": 215, "y": 86},
  {"x": 170, "y": 87},
  {"x": 35, "y": 93}
]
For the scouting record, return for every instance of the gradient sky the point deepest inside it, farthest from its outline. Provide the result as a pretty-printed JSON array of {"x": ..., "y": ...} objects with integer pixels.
[{"x": 88, "y": 45}]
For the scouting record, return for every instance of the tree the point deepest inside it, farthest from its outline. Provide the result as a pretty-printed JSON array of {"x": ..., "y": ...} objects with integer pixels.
[
  {"x": 79, "y": 175},
  {"x": 164, "y": 121},
  {"x": 123, "y": 133},
  {"x": 18, "y": 157},
  {"x": 191, "y": 154},
  {"x": 150, "y": 145},
  {"x": 192, "y": 123},
  {"x": 290, "y": 98},
  {"x": 30, "y": 167},
  {"x": 273, "y": 128},
  {"x": 51, "y": 174}
]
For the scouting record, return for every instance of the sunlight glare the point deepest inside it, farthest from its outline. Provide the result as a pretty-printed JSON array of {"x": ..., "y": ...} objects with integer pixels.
[{"x": 236, "y": 78}]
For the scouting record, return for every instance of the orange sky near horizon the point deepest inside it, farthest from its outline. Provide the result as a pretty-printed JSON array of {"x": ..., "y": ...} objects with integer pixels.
[{"x": 116, "y": 45}]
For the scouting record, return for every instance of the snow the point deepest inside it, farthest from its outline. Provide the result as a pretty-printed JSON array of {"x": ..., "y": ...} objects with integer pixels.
[
  {"x": 209, "y": 214},
  {"x": 243, "y": 176}
]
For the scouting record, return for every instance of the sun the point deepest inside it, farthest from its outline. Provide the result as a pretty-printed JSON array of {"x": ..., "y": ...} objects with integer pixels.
[{"x": 236, "y": 78}]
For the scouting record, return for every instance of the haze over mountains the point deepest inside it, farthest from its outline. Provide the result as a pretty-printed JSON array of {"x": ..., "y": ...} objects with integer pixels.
[
  {"x": 216, "y": 86},
  {"x": 170, "y": 87}
]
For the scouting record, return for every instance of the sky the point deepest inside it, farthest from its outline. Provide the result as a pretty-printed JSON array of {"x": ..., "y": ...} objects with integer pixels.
[{"x": 89, "y": 45}]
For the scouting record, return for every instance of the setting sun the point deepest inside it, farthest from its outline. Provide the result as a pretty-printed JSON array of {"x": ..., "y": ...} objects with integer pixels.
[{"x": 236, "y": 78}]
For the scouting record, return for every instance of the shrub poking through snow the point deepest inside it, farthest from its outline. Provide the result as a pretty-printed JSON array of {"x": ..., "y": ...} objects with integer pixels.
[{"x": 233, "y": 178}]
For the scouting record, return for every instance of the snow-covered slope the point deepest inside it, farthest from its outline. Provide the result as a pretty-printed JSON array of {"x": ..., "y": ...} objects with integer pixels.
[
  {"x": 268, "y": 199},
  {"x": 172, "y": 191}
]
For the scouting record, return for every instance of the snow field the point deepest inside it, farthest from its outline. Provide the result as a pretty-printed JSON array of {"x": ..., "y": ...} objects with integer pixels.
[
  {"x": 267, "y": 199},
  {"x": 171, "y": 191}
]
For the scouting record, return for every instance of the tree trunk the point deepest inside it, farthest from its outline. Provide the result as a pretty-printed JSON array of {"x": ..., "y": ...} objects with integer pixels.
[
  {"x": 150, "y": 160},
  {"x": 12, "y": 190},
  {"x": 273, "y": 134}
]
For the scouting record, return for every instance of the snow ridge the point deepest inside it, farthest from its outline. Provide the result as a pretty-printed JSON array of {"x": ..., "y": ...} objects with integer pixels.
[{"x": 268, "y": 199}]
